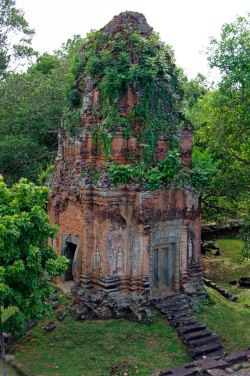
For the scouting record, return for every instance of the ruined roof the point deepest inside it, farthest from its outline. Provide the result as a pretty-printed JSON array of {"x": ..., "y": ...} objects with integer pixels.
[
  {"x": 135, "y": 20},
  {"x": 126, "y": 81}
]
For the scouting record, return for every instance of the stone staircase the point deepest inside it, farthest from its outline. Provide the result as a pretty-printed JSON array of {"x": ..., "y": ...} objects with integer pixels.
[{"x": 198, "y": 338}]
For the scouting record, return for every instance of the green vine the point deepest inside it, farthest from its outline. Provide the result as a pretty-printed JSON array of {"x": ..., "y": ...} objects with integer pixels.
[
  {"x": 129, "y": 60},
  {"x": 126, "y": 61},
  {"x": 168, "y": 173}
]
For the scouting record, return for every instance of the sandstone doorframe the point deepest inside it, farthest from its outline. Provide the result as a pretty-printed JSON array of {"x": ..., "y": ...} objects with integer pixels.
[
  {"x": 164, "y": 268},
  {"x": 166, "y": 235}
]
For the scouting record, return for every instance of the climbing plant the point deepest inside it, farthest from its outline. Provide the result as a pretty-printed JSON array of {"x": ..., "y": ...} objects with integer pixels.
[
  {"x": 129, "y": 60},
  {"x": 167, "y": 172}
]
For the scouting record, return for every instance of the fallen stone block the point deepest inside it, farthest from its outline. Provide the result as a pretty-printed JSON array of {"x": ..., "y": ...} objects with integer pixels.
[
  {"x": 237, "y": 357},
  {"x": 51, "y": 325},
  {"x": 60, "y": 315}
]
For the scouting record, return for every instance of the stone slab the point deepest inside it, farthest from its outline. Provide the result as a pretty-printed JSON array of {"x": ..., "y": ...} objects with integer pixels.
[
  {"x": 211, "y": 363},
  {"x": 184, "y": 370},
  {"x": 237, "y": 357},
  {"x": 216, "y": 372}
]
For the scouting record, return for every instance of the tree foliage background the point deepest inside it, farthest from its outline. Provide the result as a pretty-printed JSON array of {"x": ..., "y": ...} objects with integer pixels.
[
  {"x": 31, "y": 109},
  {"x": 15, "y": 38},
  {"x": 221, "y": 116},
  {"x": 26, "y": 261}
]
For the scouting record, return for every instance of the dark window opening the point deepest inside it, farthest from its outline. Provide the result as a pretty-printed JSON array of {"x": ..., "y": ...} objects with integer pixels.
[{"x": 70, "y": 253}]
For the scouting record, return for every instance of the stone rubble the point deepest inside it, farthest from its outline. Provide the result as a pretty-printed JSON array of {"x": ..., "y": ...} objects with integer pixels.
[
  {"x": 222, "y": 291},
  {"x": 237, "y": 364}
]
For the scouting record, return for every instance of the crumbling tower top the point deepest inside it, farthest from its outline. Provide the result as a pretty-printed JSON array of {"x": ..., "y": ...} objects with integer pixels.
[
  {"x": 128, "y": 96},
  {"x": 136, "y": 21}
]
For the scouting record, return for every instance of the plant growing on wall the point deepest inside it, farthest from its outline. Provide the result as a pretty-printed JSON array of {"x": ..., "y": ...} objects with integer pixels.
[
  {"x": 164, "y": 174},
  {"x": 126, "y": 61}
]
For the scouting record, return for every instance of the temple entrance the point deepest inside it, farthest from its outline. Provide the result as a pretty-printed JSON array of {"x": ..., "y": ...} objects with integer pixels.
[
  {"x": 163, "y": 268},
  {"x": 70, "y": 250}
]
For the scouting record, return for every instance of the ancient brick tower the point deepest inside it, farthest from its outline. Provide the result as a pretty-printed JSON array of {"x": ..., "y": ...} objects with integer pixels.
[{"x": 127, "y": 242}]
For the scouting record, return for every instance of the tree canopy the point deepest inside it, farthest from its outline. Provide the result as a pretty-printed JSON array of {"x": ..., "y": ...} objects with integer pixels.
[
  {"x": 31, "y": 109},
  {"x": 26, "y": 260},
  {"x": 221, "y": 119},
  {"x": 15, "y": 38}
]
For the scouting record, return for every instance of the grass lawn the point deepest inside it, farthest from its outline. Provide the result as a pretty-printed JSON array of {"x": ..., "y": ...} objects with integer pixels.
[
  {"x": 93, "y": 348},
  {"x": 225, "y": 268},
  {"x": 230, "y": 320},
  {"x": 11, "y": 371}
]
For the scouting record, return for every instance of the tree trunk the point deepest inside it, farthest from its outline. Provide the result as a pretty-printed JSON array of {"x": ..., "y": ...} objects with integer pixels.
[{"x": 4, "y": 366}]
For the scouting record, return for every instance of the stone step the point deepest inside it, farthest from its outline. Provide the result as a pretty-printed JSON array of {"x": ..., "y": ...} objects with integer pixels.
[
  {"x": 172, "y": 298},
  {"x": 167, "y": 297},
  {"x": 205, "y": 349},
  {"x": 171, "y": 301},
  {"x": 173, "y": 311},
  {"x": 185, "y": 329},
  {"x": 187, "y": 369},
  {"x": 181, "y": 314},
  {"x": 189, "y": 372},
  {"x": 172, "y": 307},
  {"x": 203, "y": 341},
  {"x": 196, "y": 335},
  {"x": 217, "y": 353},
  {"x": 189, "y": 320}
]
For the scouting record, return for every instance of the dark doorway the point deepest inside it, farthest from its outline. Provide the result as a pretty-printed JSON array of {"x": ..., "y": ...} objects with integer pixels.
[
  {"x": 163, "y": 267},
  {"x": 69, "y": 253}
]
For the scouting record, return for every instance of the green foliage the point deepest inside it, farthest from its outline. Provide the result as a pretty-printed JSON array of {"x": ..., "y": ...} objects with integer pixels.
[
  {"x": 170, "y": 165},
  {"x": 72, "y": 121},
  {"x": 120, "y": 174},
  {"x": 125, "y": 61},
  {"x": 45, "y": 64},
  {"x": 46, "y": 174},
  {"x": 231, "y": 55},
  {"x": 203, "y": 169},
  {"x": 221, "y": 119},
  {"x": 229, "y": 105},
  {"x": 26, "y": 261},
  {"x": 6, "y": 313},
  {"x": 36, "y": 102},
  {"x": 22, "y": 156},
  {"x": 244, "y": 235},
  {"x": 194, "y": 91},
  {"x": 154, "y": 177},
  {"x": 31, "y": 109},
  {"x": 15, "y": 38},
  {"x": 102, "y": 140}
]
